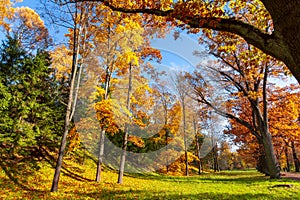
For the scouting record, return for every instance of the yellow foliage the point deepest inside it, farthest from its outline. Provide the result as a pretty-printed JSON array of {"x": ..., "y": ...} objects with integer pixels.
[
  {"x": 139, "y": 142},
  {"x": 178, "y": 167},
  {"x": 127, "y": 58},
  {"x": 62, "y": 62},
  {"x": 253, "y": 95},
  {"x": 74, "y": 140},
  {"x": 30, "y": 18},
  {"x": 6, "y": 12}
]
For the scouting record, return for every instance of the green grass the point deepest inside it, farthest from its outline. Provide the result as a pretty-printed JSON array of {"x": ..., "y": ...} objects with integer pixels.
[{"x": 224, "y": 185}]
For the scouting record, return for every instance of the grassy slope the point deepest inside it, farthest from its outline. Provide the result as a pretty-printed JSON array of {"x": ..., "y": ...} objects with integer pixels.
[{"x": 225, "y": 185}]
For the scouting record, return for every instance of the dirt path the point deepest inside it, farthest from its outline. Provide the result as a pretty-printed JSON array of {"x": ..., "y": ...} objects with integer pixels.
[{"x": 295, "y": 176}]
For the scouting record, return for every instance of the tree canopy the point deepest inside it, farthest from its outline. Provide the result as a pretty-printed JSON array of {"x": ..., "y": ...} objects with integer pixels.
[{"x": 274, "y": 26}]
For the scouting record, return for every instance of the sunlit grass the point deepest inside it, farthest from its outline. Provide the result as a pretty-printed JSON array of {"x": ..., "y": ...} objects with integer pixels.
[{"x": 223, "y": 185}]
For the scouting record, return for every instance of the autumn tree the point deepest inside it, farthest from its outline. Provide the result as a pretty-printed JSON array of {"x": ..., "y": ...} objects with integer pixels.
[
  {"x": 181, "y": 89},
  {"x": 118, "y": 50},
  {"x": 244, "y": 76},
  {"x": 199, "y": 139},
  {"x": 225, "y": 158},
  {"x": 284, "y": 115},
  {"x": 29, "y": 28},
  {"x": 166, "y": 99},
  {"x": 6, "y": 12},
  {"x": 77, "y": 36}
]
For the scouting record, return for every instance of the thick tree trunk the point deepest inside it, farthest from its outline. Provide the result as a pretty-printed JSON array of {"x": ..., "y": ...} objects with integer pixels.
[
  {"x": 271, "y": 160},
  {"x": 266, "y": 137},
  {"x": 262, "y": 166},
  {"x": 295, "y": 157}
]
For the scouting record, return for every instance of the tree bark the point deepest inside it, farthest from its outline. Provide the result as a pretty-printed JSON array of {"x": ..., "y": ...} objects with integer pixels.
[
  {"x": 167, "y": 157},
  {"x": 295, "y": 157},
  {"x": 100, "y": 156},
  {"x": 262, "y": 166},
  {"x": 286, "y": 151},
  {"x": 197, "y": 146},
  {"x": 185, "y": 137},
  {"x": 215, "y": 158},
  {"x": 199, "y": 156},
  {"x": 274, "y": 170}
]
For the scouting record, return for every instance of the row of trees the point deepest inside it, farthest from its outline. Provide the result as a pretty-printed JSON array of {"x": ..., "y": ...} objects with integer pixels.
[{"x": 103, "y": 81}]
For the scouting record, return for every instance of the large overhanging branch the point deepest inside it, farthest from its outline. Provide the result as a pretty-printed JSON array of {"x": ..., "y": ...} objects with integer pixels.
[{"x": 270, "y": 44}]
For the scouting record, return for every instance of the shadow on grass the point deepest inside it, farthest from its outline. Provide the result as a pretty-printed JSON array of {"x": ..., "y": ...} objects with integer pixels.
[
  {"x": 51, "y": 160},
  {"x": 238, "y": 177},
  {"x": 18, "y": 172}
]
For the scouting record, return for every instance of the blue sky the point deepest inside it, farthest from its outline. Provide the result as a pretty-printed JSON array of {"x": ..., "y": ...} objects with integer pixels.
[{"x": 29, "y": 3}]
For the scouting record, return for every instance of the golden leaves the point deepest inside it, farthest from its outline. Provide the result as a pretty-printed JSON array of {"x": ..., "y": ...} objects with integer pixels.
[
  {"x": 127, "y": 58},
  {"x": 30, "y": 18},
  {"x": 253, "y": 95},
  {"x": 6, "y": 12},
  {"x": 74, "y": 140},
  {"x": 252, "y": 12},
  {"x": 62, "y": 62},
  {"x": 138, "y": 141}
]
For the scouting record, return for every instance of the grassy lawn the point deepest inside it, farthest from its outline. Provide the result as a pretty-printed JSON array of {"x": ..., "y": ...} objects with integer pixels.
[{"x": 223, "y": 185}]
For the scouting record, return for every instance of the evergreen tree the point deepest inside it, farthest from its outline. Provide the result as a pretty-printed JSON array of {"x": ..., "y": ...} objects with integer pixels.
[{"x": 30, "y": 113}]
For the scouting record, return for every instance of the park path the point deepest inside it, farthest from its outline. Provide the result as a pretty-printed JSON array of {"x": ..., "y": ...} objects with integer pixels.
[{"x": 295, "y": 176}]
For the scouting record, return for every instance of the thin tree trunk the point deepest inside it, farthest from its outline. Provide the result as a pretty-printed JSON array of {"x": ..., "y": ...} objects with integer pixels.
[
  {"x": 167, "y": 157},
  {"x": 100, "y": 156},
  {"x": 286, "y": 151},
  {"x": 69, "y": 111},
  {"x": 185, "y": 139},
  {"x": 102, "y": 133},
  {"x": 197, "y": 146},
  {"x": 165, "y": 105},
  {"x": 215, "y": 155},
  {"x": 125, "y": 138},
  {"x": 198, "y": 154},
  {"x": 295, "y": 157},
  {"x": 102, "y": 137}
]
